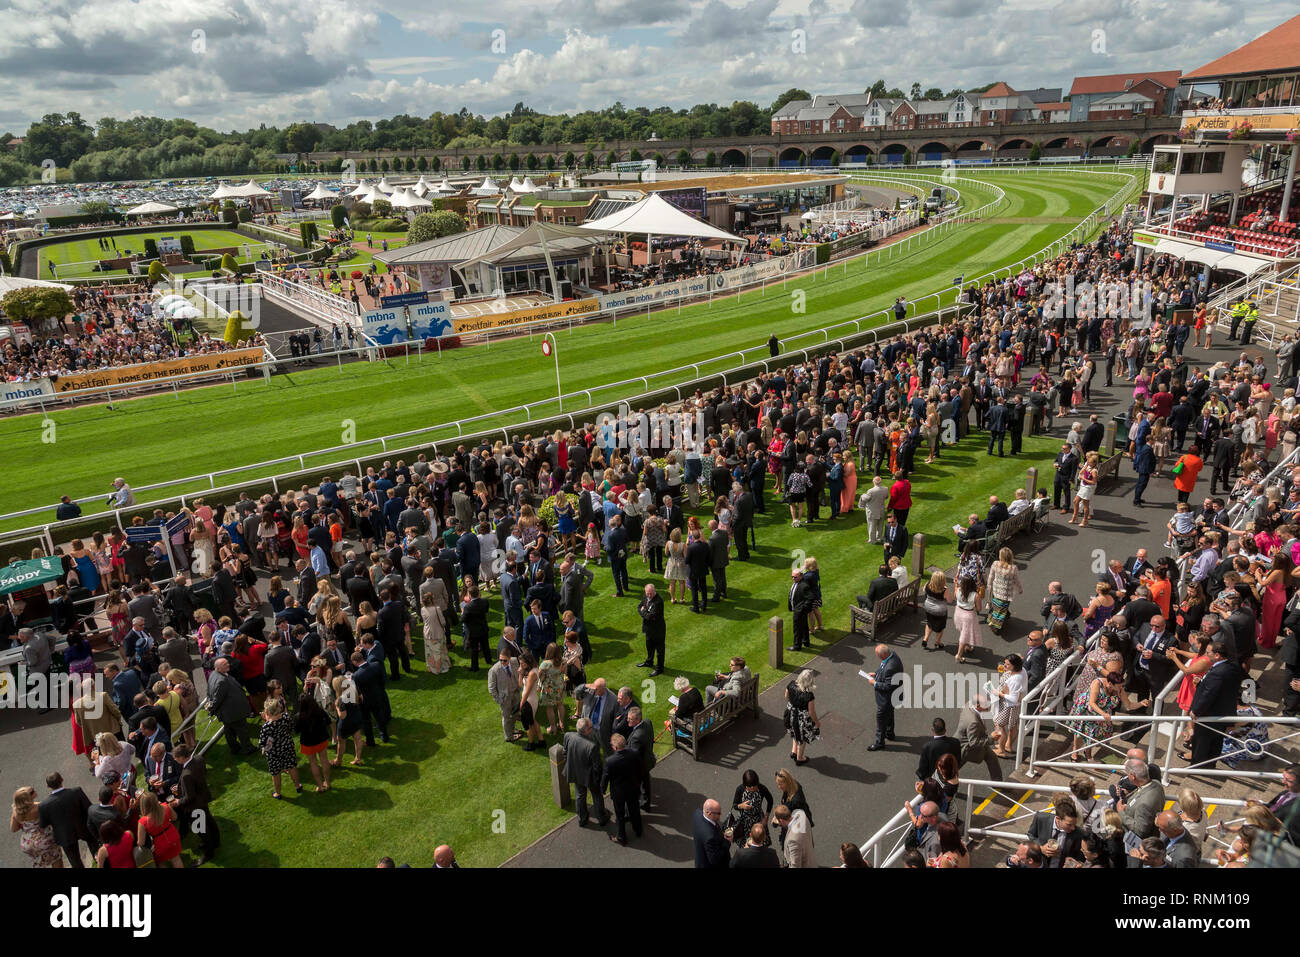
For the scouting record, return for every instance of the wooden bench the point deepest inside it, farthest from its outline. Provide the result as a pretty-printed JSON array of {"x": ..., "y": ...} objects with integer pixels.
[
  {"x": 715, "y": 716},
  {"x": 1109, "y": 469},
  {"x": 1022, "y": 521},
  {"x": 885, "y": 609}
]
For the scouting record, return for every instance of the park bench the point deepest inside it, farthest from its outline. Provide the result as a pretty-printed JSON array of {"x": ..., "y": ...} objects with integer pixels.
[
  {"x": 1023, "y": 521},
  {"x": 715, "y": 716},
  {"x": 1109, "y": 469},
  {"x": 885, "y": 609}
]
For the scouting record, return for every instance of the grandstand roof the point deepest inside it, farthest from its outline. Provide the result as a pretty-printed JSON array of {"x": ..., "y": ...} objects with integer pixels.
[{"x": 1276, "y": 51}]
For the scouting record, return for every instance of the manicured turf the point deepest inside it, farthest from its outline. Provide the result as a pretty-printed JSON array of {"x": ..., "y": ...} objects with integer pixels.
[
  {"x": 448, "y": 777},
  {"x": 308, "y": 410},
  {"x": 85, "y": 251}
]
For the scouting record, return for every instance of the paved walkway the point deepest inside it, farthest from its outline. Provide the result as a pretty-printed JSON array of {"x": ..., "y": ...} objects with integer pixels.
[{"x": 852, "y": 792}]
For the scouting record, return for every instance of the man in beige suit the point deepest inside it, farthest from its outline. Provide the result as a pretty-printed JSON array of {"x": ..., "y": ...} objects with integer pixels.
[
  {"x": 796, "y": 837},
  {"x": 95, "y": 712},
  {"x": 877, "y": 501},
  {"x": 503, "y": 686}
]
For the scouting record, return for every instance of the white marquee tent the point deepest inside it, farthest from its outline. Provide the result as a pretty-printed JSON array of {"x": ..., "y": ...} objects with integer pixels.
[
  {"x": 321, "y": 193},
  {"x": 655, "y": 216},
  {"x": 151, "y": 209}
]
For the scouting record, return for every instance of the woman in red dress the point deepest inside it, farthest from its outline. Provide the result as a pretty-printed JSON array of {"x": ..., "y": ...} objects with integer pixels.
[{"x": 156, "y": 821}]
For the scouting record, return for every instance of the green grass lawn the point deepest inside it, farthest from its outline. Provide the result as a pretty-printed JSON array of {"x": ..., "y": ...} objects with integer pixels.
[
  {"x": 447, "y": 777},
  {"x": 85, "y": 252},
  {"x": 138, "y": 439},
  {"x": 427, "y": 787}
]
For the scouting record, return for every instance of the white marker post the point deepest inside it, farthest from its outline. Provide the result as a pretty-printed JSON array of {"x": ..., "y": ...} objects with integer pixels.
[{"x": 549, "y": 349}]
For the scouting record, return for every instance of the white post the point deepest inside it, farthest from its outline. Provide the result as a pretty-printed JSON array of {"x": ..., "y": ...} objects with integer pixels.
[
  {"x": 555, "y": 354},
  {"x": 1290, "y": 182}
]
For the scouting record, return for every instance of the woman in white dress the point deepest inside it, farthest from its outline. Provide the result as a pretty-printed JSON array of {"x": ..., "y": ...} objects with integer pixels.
[{"x": 1087, "y": 488}]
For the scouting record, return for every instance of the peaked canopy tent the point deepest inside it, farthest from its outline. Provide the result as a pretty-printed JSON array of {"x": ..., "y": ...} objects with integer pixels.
[
  {"x": 321, "y": 193},
  {"x": 361, "y": 189},
  {"x": 247, "y": 191},
  {"x": 223, "y": 192},
  {"x": 384, "y": 186},
  {"x": 654, "y": 215},
  {"x": 151, "y": 209}
]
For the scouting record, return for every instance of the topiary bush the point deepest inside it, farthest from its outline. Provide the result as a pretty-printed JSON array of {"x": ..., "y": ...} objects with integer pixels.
[
  {"x": 187, "y": 245},
  {"x": 229, "y": 264},
  {"x": 150, "y": 248},
  {"x": 338, "y": 212}
]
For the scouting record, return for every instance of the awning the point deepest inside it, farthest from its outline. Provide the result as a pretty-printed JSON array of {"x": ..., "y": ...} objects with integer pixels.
[
  {"x": 1246, "y": 265},
  {"x": 655, "y": 216},
  {"x": 1195, "y": 254},
  {"x": 36, "y": 571}
]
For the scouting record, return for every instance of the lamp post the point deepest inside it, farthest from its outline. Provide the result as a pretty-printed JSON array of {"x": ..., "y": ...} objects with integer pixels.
[{"x": 549, "y": 349}]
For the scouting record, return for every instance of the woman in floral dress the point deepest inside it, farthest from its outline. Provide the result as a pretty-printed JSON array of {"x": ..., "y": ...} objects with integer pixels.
[
  {"x": 1004, "y": 584},
  {"x": 435, "y": 635},
  {"x": 35, "y": 841},
  {"x": 275, "y": 739},
  {"x": 550, "y": 687},
  {"x": 1101, "y": 698}
]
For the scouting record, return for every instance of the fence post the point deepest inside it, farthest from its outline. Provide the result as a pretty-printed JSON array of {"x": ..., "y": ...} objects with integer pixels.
[
  {"x": 1031, "y": 482},
  {"x": 918, "y": 553},
  {"x": 776, "y": 641},
  {"x": 559, "y": 783},
  {"x": 1109, "y": 438}
]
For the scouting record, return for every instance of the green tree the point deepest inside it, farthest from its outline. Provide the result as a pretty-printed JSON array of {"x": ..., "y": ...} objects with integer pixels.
[
  {"x": 382, "y": 208},
  {"x": 710, "y": 159},
  {"x": 301, "y": 138},
  {"x": 1035, "y": 153},
  {"x": 634, "y": 156},
  {"x": 13, "y": 171},
  {"x": 228, "y": 263},
  {"x": 422, "y": 164},
  {"x": 464, "y": 162},
  {"x": 480, "y": 164},
  {"x": 338, "y": 212},
  {"x": 934, "y": 93},
  {"x": 589, "y": 159},
  {"x": 59, "y": 137},
  {"x": 498, "y": 161},
  {"x": 794, "y": 93},
  {"x": 428, "y": 226},
  {"x": 569, "y": 160},
  {"x": 36, "y": 306},
  {"x": 550, "y": 161},
  {"x": 683, "y": 158},
  {"x": 531, "y": 162},
  {"x": 514, "y": 162}
]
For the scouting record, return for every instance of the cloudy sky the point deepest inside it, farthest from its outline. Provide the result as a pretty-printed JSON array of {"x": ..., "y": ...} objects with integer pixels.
[{"x": 238, "y": 63}]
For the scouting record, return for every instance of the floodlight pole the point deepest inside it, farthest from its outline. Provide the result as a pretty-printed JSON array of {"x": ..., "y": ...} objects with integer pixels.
[{"x": 555, "y": 354}]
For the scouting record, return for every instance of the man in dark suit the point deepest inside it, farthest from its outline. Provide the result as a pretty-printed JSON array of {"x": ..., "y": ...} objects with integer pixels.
[
  {"x": 697, "y": 570},
  {"x": 882, "y": 586},
  {"x": 622, "y": 779},
  {"x": 1066, "y": 465},
  {"x": 1216, "y": 697},
  {"x": 1093, "y": 435},
  {"x": 719, "y": 546},
  {"x": 883, "y": 681},
  {"x": 598, "y": 705},
  {"x": 976, "y": 531},
  {"x": 1240, "y": 623},
  {"x": 65, "y": 812},
  {"x": 742, "y": 523},
  {"x": 1222, "y": 459},
  {"x": 474, "y": 614},
  {"x": 800, "y": 604},
  {"x": 615, "y": 544},
  {"x": 1061, "y": 825},
  {"x": 161, "y": 770},
  {"x": 1034, "y": 661},
  {"x": 935, "y": 748},
  {"x": 282, "y": 665},
  {"x": 711, "y": 849},
  {"x": 393, "y": 631},
  {"x": 306, "y": 582},
  {"x": 672, "y": 514},
  {"x": 191, "y": 803},
  {"x": 641, "y": 741},
  {"x": 1135, "y": 567},
  {"x": 653, "y": 627},
  {"x": 1144, "y": 464},
  {"x": 816, "y": 486},
  {"x": 359, "y": 589},
  {"x": 896, "y": 539},
  {"x": 106, "y": 810},
  {"x": 228, "y": 703},
  {"x": 575, "y": 579},
  {"x": 368, "y": 676},
  {"x": 997, "y": 426},
  {"x": 583, "y": 768},
  {"x": 757, "y": 852}
]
